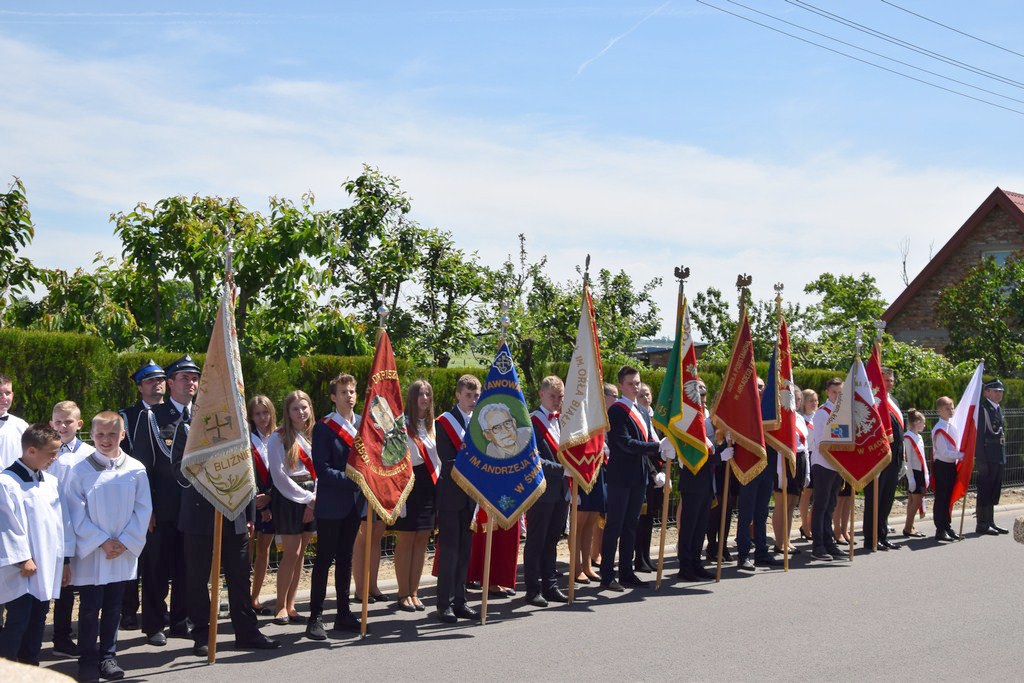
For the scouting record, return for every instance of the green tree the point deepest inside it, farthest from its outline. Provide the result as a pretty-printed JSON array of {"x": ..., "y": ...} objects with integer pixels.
[
  {"x": 983, "y": 314},
  {"x": 16, "y": 232}
]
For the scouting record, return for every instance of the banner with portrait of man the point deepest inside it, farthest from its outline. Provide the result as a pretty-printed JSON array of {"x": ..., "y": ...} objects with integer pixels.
[{"x": 498, "y": 465}]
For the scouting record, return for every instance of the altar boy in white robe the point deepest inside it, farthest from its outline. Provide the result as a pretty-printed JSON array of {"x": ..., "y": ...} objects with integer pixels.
[
  {"x": 110, "y": 506},
  {"x": 33, "y": 544}
]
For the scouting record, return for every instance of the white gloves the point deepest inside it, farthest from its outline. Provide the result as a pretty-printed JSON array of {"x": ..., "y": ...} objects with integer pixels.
[
  {"x": 727, "y": 453},
  {"x": 659, "y": 480},
  {"x": 401, "y": 513},
  {"x": 667, "y": 450}
]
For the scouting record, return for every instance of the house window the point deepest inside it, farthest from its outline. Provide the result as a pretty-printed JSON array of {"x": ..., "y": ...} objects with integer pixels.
[{"x": 999, "y": 256}]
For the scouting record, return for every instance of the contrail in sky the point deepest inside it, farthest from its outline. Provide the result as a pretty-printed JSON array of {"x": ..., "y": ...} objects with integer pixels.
[{"x": 617, "y": 38}]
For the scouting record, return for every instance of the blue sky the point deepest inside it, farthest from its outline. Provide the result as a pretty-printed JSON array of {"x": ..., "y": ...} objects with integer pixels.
[{"x": 646, "y": 134}]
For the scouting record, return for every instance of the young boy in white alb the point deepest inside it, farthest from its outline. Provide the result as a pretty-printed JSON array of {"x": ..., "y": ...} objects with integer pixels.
[
  {"x": 110, "y": 506},
  {"x": 11, "y": 426}
]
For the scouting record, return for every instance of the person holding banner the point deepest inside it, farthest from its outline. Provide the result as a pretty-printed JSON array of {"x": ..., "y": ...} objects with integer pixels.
[
  {"x": 808, "y": 407},
  {"x": 655, "y": 490},
  {"x": 262, "y": 423},
  {"x": 696, "y": 491},
  {"x": 591, "y": 508},
  {"x": 629, "y": 442},
  {"x": 294, "y": 477},
  {"x": 454, "y": 507},
  {"x": 337, "y": 508},
  {"x": 782, "y": 515},
  {"x": 545, "y": 520},
  {"x": 888, "y": 477},
  {"x": 991, "y": 456},
  {"x": 826, "y": 482},
  {"x": 415, "y": 526},
  {"x": 754, "y": 500},
  {"x": 946, "y": 454},
  {"x": 917, "y": 469}
]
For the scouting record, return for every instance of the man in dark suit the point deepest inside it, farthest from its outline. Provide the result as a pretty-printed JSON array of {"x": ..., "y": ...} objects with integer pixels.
[
  {"x": 163, "y": 558},
  {"x": 545, "y": 520},
  {"x": 887, "y": 478},
  {"x": 990, "y": 456},
  {"x": 338, "y": 505},
  {"x": 629, "y": 442},
  {"x": 454, "y": 507},
  {"x": 754, "y": 499},
  {"x": 696, "y": 492},
  {"x": 151, "y": 382},
  {"x": 195, "y": 522},
  {"x": 654, "y": 466}
]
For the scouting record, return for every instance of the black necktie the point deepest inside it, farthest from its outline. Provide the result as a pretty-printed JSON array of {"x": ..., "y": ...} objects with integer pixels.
[
  {"x": 4, "y": 418},
  {"x": 186, "y": 414}
]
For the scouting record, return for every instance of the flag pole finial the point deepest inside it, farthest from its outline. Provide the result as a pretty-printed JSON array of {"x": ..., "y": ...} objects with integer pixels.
[
  {"x": 382, "y": 314},
  {"x": 682, "y": 274},
  {"x": 742, "y": 283},
  {"x": 860, "y": 341},
  {"x": 504, "y": 322},
  {"x": 778, "y": 299},
  {"x": 879, "y": 329},
  {"x": 586, "y": 272},
  {"x": 229, "y": 256}
]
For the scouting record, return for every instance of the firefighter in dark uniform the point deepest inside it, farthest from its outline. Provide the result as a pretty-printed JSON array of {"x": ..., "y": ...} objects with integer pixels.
[{"x": 990, "y": 456}]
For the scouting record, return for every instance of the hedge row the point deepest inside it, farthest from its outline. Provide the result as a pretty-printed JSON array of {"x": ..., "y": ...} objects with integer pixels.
[{"x": 51, "y": 366}]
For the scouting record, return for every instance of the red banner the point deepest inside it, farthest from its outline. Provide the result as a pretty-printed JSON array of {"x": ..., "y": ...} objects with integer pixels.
[
  {"x": 874, "y": 370},
  {"x": 737, "y": 408},
  {"x": 784, "y": 438},
  {"x": 379, "y": 461},
  {"x": 860, "y": 462}
]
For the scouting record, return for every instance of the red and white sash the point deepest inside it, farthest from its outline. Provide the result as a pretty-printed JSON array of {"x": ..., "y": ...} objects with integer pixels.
[
  {"x": 260, "y": 459},
  {"x": 303, "y": 447},
  {"x": 455, "y": 431},
  {"x": 917, "y": 445},
  {"x": 942, "y": 432},
  {"x": 550, "y": 431},
  {"x": 428, "y": 455},
  {"x": 896, "y": 412},
  {"x": 635, "y": 415},
  {"x": 342, "y": 428}
]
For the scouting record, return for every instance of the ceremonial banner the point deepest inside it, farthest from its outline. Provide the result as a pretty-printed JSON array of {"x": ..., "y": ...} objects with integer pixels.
[
  {"x": 778, "y": 403},
  {"x": 965, "y": 420},
  {"x": 584, "y": 419},
  {"x": 379, "y": 459},
  {"x": 878, "y": 390},
  {"x": 678, "y": 413},
  {"x": 217, "y": 459},
  {"x": 498, "y": 465},
  {"x": 737, "y": 407},
  {"x": 855, "y": 442}
]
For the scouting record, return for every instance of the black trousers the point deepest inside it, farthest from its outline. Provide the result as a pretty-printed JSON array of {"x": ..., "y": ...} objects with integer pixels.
[
  {"x": 715, "y": 520},
  {"x": 696, "y": 493},
  {"x": 887, "y": 480},
  {"x": 99, "y": 613},
  {"x": 163, "y": 571},
  {"x": 234, "y": 563},
  {"x": 545, "y": 522},
  {"x": 826, "y": 489},
  {"x": 62, "y": 608},
  {"x": 624, "y": 503},
  {"x": 990, "y": 484},
  {"x": 333, "y": 545},
  {"x": 455, "y": 540},
  {"x": 755, "y": 500},
  {"x": 944, "y": 476},
  {"x": 130, "y": 601},
  {"x": 645, "y": 526},
  {"x": 22, "y": 635}
]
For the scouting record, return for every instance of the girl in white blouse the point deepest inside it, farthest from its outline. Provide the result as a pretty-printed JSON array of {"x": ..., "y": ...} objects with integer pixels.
[
  {"x": 291, "y": 469},
  {"x": 262, "y": 423}
]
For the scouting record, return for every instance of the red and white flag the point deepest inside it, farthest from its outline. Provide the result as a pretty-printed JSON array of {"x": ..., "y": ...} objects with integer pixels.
[
  {"x": 861, "y": 449},
  {"x": 965, "y": 420},
  {"x": 881, "y": 394}
]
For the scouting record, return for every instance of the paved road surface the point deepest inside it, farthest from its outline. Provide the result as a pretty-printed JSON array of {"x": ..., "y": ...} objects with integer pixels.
[{"x": 953, "y": 612}]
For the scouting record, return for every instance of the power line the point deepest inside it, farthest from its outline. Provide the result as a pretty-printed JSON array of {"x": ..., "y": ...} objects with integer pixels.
[
  {"x": 862, "y": 61},
  {"x": 954, "y": 30},
  {"x": 876, "y": 54},
  {"x": 902, "y": 43}
]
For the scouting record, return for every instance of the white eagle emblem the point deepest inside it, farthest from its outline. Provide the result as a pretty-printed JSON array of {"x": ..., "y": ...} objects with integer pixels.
[
  {"x": 787, "y": 396},
  {"x": 691, "y": 388},
  {"x": 863, "y": 420}
]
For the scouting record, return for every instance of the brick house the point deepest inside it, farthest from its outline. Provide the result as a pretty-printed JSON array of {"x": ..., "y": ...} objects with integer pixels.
[{"x": 995, "y": 229}]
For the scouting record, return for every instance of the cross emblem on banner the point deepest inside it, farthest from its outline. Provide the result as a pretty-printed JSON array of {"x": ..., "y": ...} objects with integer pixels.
[{"x": 217, "y": 426}]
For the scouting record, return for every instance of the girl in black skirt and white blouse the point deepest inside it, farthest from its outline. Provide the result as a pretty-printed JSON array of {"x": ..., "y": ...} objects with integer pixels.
[
  {"x": 291, "y": 469},
  {"x": 262, "y": 423}
]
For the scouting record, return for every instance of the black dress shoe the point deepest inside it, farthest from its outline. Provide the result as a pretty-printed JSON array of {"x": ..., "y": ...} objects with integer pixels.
[
  {"x": 179, "y": 630},
  {"x": 536, "y": 599},
  {"x": 940, "y": 535},
  {"x": 643, "y": 566},
  {"x": 157, "y": 639},
  {"x": 200, "y": 650},
  {"x": 887, "y": 545},
  {"x": 129, "y": 622},
  {"x": 466, "y": 612},
  {"x": 767, "y": 561},
  {"x": 406, "y": 604},
  {"x": 953, "y": 536},
  {"x": 66, "y": 647},
  {"x": 447, "y": 615},
  {"x": 315, "y": 629},
  {"x": 613, "y": 586},
  {"x": 703, "y": 574},
  {"x": 986, "y": 531},
  {"x": 685, "y": 574},
  {"x": 555, "y": 595},
  {"x": 259, "y": 642},
  {"x": 633, "y": 580},
  {"x": 109, "y": 670},
  {"x": 348, "y": 622},
  {"x": 999, "y": 529},
  {"x": 282, "y": 621},
  {"x": 913, "y": 534}
]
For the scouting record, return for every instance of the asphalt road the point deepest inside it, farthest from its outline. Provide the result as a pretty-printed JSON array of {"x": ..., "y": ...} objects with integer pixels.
[{"x": 928, "y": 612}]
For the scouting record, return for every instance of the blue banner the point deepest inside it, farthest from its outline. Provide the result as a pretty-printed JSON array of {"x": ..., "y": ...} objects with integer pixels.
[{"x": 498, "y": 465}]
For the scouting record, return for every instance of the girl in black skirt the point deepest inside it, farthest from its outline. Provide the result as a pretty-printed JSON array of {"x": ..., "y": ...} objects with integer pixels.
[
  {"x": 291, "y": 469},
  {"x": 415, "y": 526},
  {"x": 262, "y": 423}
]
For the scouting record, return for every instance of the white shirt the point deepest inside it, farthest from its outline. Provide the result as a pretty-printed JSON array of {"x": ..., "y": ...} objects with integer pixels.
[
  {"x": 428, "y": 442},
  {"x": 818, "y": 428},
  {"x": 69, "y": 455},
  {"x": 942, "y": 448},
  {"x": 11, "y": 430},
  {"x": 283, "y": 477},
  {"x": 33, "y": 525},
  {"x": 108, "y": 498}
]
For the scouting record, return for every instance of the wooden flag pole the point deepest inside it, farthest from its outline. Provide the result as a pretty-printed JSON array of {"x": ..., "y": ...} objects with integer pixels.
[
  {"x": 573, "y": 529},
  {"x": 963, "y": 512},
  {"x": 784, "y": 484},
  {"x": 487, "y": 569},
  {"x": 724, "y": 502},
  {"x": 367, "y": 544},
  {"x": 218, "y": 530},
  {"x": 853, "y": 499},
  {"x": 666, "y": 490},
  {"x": 874, "y": 518}
]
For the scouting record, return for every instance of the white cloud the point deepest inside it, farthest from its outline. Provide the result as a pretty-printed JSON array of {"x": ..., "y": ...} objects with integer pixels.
[{"x": 90, "y": 137}]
